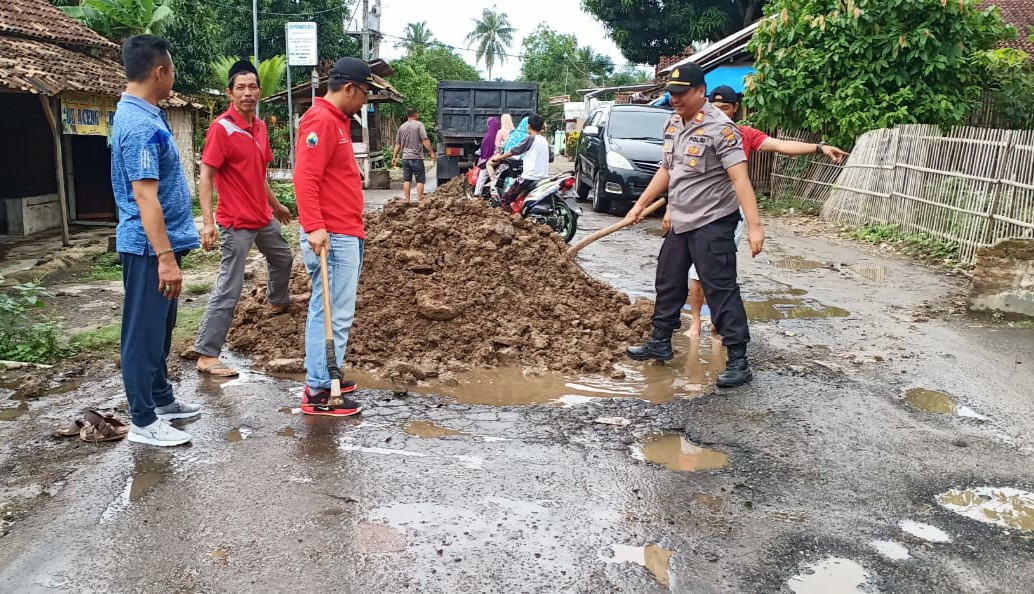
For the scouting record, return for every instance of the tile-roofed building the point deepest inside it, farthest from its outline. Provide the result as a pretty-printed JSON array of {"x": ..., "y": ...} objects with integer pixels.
[
  {"x": 40, "y": 20},
  {"x": 1020, "y": 14}
]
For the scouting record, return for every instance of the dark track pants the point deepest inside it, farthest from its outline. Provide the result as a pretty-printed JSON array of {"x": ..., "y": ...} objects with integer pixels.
[
  {"x": 148, "y": 319},
  {"x": 713, "y": 249}
]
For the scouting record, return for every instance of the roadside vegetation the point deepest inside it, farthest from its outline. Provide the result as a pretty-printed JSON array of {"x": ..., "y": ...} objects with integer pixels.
[{"x": 927, "y": 248}]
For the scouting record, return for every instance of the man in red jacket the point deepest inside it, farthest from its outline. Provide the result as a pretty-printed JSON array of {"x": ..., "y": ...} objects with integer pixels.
[{"x": 329, "y": 193}]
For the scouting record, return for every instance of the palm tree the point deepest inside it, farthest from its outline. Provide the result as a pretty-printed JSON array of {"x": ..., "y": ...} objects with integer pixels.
[
  {"x": 596, "y": 67},
  {"x": 493, "y": 35},
  {"x": 270, "y": 72},
  {"x": 120, "y": 19},
  {"x": 418, "y": 38}
]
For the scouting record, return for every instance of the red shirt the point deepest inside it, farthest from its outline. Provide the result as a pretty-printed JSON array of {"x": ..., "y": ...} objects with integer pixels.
[
  {"x": 327, "y": 185},
  {"x": 752, "y": 139},
  {"x": 239, "y": 151}
]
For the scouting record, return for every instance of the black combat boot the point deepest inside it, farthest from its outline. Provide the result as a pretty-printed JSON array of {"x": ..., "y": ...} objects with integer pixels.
[
  {"x": 658, "y": 347},
  {"x": 737, "y": 370}
]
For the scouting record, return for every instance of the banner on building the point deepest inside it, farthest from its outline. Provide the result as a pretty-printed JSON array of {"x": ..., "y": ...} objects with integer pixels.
[{"x": 87, "y": 116}]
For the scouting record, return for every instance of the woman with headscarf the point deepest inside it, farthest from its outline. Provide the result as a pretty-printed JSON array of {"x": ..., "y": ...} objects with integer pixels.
[
  {"x": 517, "y": 136},
  {"x": 487, "y": 152},
  {"x": 505, "y": 127}
]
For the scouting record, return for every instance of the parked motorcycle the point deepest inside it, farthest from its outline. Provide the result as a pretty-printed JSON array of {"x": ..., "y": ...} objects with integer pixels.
[{"x": 553, "y": 202}]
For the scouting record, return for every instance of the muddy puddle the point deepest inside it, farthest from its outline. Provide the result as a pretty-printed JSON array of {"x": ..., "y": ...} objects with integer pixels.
[
  {"x": 784, "y": 308},
  {"x": 10, "y": 414},
  {"x": 654, "y": 558},
  {"x": 692, "y": 373},
  {"x": 675, "y": 452},
  {"x": 1002, "y": 506},
  {"x": 239, "y": 434},
  {"x": 147, "y": 475},
  {"x": 937, "y": 402},
  {"x": 287, "y": 432},
  {"x": 429, "y": 430},
  {"x": 924, "y": 531},
  {"x": 797, "y": 264},
  {"x": 876, "y": 274},
  {"x": 889, "y": 549},
  {"x": 834, "y": 574}
]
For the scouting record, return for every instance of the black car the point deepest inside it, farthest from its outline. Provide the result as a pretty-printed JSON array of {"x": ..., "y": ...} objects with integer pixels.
[{"x": 618, "y": 152}]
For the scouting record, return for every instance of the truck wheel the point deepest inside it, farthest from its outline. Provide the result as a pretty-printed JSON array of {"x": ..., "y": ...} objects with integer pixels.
[{"x": 600, "y": 201}]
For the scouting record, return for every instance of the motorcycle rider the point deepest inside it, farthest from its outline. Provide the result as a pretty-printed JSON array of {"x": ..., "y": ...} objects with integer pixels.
[{"x": 535, "y": 149}]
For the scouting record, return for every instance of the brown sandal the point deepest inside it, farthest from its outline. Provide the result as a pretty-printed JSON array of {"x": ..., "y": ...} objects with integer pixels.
[
  {"x": 70, "y": 429},
  {"x": 100, "y": 428}
]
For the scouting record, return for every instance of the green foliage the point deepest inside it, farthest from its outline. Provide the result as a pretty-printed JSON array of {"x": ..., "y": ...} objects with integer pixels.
[
  {"x": 843, "y": 69},
  {"x": 786, "y": 205},
  {"x": 26, "y": 334},
  {"x": 1011, "y": 76},
  {"x": 647, "y": 30},
  {"x": 418, "y": 38},
  {"x": 284, "y": 192},
  {"x": 106, "y": 267},
  {"x": 120, "y": 19},
  {"x": 493, "y": 36},
  {"x": 270, "y": 72},
  {"x": 921, "y": 245},
  {"x": 572, "y": 144},
  {"x": 104, "y": 338},
  {"x": 200, "y": 260},
  {"x": 198, "y": 288},
  {"x": 194, "y": 35}
]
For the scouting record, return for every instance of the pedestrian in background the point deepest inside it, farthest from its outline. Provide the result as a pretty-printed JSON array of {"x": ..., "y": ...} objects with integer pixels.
[
  {"x": 155, "y": 230},
  {"x": 234, "y": 159},
  {"x": 411, "y": 141},
  {"x": 329, "y": 192},
  {"x": 704, "y": 172}
]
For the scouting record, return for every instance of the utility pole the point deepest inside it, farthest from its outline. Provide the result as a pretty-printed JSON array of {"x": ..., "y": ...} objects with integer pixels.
[
  {"x": 364, "y": 119},
  {"x": 366, "y": 30},
  {"x": 375, "y": 30}
]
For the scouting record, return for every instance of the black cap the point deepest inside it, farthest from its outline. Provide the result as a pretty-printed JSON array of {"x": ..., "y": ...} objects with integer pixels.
[
  {"x": 242, "y": 66},
  {"x": 685, "y": 77},
  {"x": 724, "y": 94},
  {"x": 353, "y": 70}
]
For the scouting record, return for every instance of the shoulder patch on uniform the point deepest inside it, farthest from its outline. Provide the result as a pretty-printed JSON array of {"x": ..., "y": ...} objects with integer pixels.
[
  {"x": 726, "y": 131},
  {"x": 312, "y": 140},
  {"x": 699, "y": 118}
]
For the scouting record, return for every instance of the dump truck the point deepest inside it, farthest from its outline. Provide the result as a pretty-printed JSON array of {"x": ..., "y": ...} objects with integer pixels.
[{"x": 463, "y": 111}]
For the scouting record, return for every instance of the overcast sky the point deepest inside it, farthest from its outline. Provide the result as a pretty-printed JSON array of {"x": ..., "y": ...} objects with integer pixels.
[{"x": 451, "y": 22}]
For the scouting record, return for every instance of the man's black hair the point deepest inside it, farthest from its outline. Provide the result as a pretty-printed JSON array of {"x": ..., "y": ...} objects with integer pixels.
[
  {"x": 141, "y": 54},
  {"x": 412, "y": 112},
  {"x": 242, "y": 67},
  {"x": 536, "y": 122},
  {"x": 335, "y": 85}
]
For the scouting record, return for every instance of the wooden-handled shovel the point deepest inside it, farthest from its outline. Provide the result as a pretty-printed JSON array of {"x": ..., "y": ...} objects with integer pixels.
[
  {"x": 573, "y": 250},
  {"x": 330, "y": 352}
]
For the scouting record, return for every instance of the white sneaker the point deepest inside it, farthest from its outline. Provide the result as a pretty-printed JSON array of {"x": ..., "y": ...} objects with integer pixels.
[
  {"x": 158, "y": 433},
  {"x": 178, "y": 410}
]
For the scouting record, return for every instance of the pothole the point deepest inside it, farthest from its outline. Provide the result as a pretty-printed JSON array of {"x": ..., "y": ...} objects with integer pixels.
[
  {"x": 654, "y": 558},
  {"x": 924, "y": 531},
  {"x": 429, "y": 430},
  {"x": 239, "y": 434},
  {"x": 287, "y": 432},
  {"x": 675, "y": 452},
  {"x": 797, "y": 264},
  {"x": 876, "y": 274},
  {"x": 937, "y": 402},
  {"x": 783, "y": 308},
  {"x": 835, "y": 574},
  {"x": 10, "y": 414},
  {"x": 895, "y": 551},
  {"x": 1002, "y": 506}
]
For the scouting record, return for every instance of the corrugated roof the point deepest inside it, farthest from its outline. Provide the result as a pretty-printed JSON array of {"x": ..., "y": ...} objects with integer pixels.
[
  {"x": 38, "y": 19},
  {"x": 44, "y": 68},
  {"x": 1019, "y": 13}
]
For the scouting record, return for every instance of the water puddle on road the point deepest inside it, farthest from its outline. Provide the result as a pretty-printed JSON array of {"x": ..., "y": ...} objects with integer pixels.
[
  {"x": 1002, "y": 506},
  {"x": 429, "y": 430},
  {"x": 834, "y": 574},
  {"x": 287, "y": 432},
  {"x": 783, "y": 308},
  {"x": 10, "y": 414},
  {"x": 675, "y": 452},
  {"x": 876, "y": 274},
  {"x": 924, "y": 531},
  {"x": 654, "y": 558},
  {"x": 691, "y": 374},
  {"x": 798, "y": 264},
  {"x": 889, "y": 549},
  {"x": 937, "y": 402},
  {"x": 239, "y": 434},
  {"x": 147, "y": 475}
]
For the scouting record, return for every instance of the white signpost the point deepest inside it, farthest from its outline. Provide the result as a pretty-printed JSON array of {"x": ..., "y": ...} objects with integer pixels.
[{"x": 302, "y": 50}]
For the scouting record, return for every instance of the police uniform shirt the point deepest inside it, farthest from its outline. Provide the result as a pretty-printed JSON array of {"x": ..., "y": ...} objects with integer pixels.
[{"x": 696, "y": 154}]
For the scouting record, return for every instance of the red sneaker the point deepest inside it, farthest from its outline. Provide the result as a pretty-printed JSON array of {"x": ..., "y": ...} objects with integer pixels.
[{"x": 317, "y": 402}]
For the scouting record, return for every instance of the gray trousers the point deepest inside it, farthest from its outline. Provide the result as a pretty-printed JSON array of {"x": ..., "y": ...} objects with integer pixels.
[{"x": 235, "y": 246}]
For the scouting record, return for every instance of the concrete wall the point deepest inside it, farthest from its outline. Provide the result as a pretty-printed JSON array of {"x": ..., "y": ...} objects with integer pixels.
[
  {"x": 33, "y": 214},
  {"x": 1003, "y": 278},
  {"x": 181, "y": 121}
]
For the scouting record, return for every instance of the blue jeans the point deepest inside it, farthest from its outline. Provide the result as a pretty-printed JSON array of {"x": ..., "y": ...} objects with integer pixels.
[
  {"x": 148, "y": 319},
  {"x": 344, "y": 263}
]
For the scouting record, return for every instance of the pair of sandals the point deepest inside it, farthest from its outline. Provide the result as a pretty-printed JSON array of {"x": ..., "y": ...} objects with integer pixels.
[{"x": 95, "y": 428}]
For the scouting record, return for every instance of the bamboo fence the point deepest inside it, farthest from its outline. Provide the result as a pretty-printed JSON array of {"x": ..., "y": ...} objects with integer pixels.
[{"x": 971, "y": 186}]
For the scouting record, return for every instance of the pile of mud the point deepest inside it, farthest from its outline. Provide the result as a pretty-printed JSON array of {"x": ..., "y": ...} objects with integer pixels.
[{"x": 450, "y": 284}]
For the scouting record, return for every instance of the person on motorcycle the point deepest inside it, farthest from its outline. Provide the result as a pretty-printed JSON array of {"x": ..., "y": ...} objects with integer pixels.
[
  {"x": 536, "y": 163},
  {"x": 505, "y": 128},
  {"x": 487, "y": 152}
]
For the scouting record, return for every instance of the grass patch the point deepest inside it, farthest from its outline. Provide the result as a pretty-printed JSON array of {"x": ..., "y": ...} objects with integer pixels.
[
  {"x": 187, "y": 322},
  {"x": 106, "y": 267},
  {"x": 198, "y": 288},
  {"x": 200, "y": 259},
  {"x": 782, "y": 206},
  {"x": 107, "y": 338},
  {"x": 920, "y": 245},
  {"x": 284, "y": 192}
]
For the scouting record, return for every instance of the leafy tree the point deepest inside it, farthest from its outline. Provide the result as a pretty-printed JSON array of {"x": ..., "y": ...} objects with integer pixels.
[
  {"x": 646, "y": 30},
  {"x": 493, "y": 35},
  {"x": 630, "y": 75},
  {"x": 845, "y": 68},
  {"x": 442, "y": 63},
  {"x": 417, "y": 78},
  {"x": 120, "y": 19},
  {"x": 418, "y": 38},
  {"x": 194, "y": 36},
  {"x": 1011, "y": 83},
  {"x": 270, "y": 73}
]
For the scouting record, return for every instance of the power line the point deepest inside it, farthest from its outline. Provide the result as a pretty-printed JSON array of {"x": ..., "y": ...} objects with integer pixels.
[{"x": 287, "y": 14}]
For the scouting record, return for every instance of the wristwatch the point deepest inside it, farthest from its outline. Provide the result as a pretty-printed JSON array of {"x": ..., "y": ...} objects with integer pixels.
[{"x": 818, "y": 147}]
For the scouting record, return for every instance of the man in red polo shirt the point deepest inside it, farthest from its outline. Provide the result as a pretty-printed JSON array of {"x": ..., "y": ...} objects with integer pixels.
[
  {"x": 234, "y": 159},
  {"x": 329, "y": 191}
]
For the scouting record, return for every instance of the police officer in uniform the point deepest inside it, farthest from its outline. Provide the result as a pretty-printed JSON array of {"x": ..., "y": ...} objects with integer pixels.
[{"x": 704, "y": 172}]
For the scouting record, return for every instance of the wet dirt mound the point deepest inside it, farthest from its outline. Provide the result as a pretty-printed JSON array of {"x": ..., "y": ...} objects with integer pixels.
[{"x": 450, "y": 284}]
